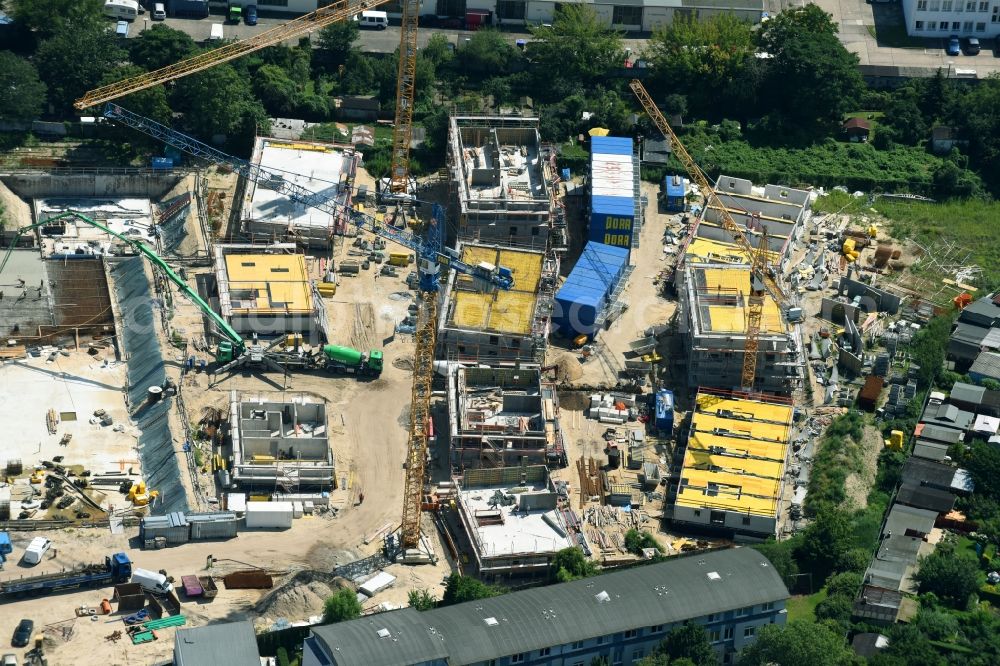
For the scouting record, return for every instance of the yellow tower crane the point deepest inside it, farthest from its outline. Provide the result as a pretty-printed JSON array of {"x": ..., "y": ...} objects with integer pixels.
[
  {"x": 761, "y": 273},
  {"x": 402, "y": 131},
  {"x": 322, "y": 17}
]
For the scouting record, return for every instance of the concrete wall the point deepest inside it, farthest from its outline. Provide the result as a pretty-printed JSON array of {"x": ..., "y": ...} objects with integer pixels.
[
  {"x": 140, "y": 183},
  {"x": 739, "y": 523}
]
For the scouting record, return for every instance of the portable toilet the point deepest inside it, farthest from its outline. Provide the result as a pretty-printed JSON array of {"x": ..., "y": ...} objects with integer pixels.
[
  {"x": 665, "y": 411},
  {"x": 675, "y": 193}
]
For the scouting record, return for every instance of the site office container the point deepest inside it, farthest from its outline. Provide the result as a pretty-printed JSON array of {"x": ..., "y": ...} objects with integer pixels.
[
  {"x": 612, "y": 193},
  {"x": 587, "y": 288},
  {"x": 269, "y": 515},
  {"x": 612, "y": 220},
  {"x": 665, "y": 411}
]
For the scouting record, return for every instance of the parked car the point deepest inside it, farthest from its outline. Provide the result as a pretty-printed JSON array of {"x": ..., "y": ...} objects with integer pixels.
[
  {"x": 972, "y": 46},
  {"x": 251, "y": 15},
  {"x": 159, "y": 12},
  {"x": 953, "y": 48},
  {"x": 22, "y": 635}
]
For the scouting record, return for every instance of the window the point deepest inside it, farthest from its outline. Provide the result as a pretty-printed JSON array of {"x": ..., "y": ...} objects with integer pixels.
[
  {"x": 510, "y": 9},
  {"x": 932, "y": 25},
  {"x": 946, "y": 5},
  {"x": 697, "y": 513},
  {"x": 944, "y": 26},
  {"x": 935, "y": 6},
  {"x": 656, "y": 628},
  {"x": 742, "y": 612},
  {"x": 970, "y": 6},
  {"x": 728, "y": 634},
  {"x": 714, "y": 635},
  {"x": 984, "y": 6},
  {"x": 494, "y": 340},
  {"x": 534, "y": 231},
  {"x": 576, "y": 645},
  {"x": 919, "y": 25},
  {"x": 746, "y": 520},
  {"x": 956, "y": 25},
  {"x": 967, "y": 26},
  {"x": 768, "y": 606},
  {"x": 996, "y": 15},
  {"x": 517, "y": 658},
  {"x": 921, "y": 5},
  {"x": 544, "y": 652},
  {"x": 748, "y": 632},
  {"x": 601, "y": 639},
  {"x": 631, "y": 633},
  {"x": 513, "y": 231},
  {"x": 980, "y": 27},
  {"x": 711, "y": 617},
  {"x": 626, "y": 16},
  {"x": 636, "y": 655}
]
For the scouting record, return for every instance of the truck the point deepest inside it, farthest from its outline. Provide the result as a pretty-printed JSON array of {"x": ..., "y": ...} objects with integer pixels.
[
  {"x": 643, "y": 346},
  {"x": 352, "y": 361},
  {"x": 6, "y": 548},
  {"x": 208, "y": 587},
  {"x": 235, "y": 13},
  {"x": 192, "y": 586},
  {"x": 114, "y": 570}
]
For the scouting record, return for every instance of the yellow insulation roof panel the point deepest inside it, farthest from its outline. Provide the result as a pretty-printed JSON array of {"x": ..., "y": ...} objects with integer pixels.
[
  {"x": 733, "y": 318},
  {"x": 268, "y": 283},
  {"x": 502, "y": 311},
  {"x": 735, "y": 457},
  {"x": 709, "y": 251}
]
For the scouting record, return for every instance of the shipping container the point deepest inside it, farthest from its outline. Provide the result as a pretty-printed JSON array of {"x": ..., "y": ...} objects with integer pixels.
[
  {"x": 218, "y": 525},
  {"x": 269, "y": 515},
  {"x": 665, "y": 411},
  {"x": 172, "y": 526},
  {"x": 675, "y": 189},
  {"x": 376, "y": 583},
  {"x": 612, "y": 191},
  {"x": 585, "y": 293},
  {"x": 612, "y": 220}
]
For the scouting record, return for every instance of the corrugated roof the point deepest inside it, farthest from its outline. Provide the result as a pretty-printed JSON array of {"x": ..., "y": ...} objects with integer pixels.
[
  {"x": 227, "y": 643},
  {"x": 610, "y": 145},
  {"x": 478, "y": 631},
  {"x": 986, "y": 364},
  {"x": 612, "y": 205},
  {"x": 595, "y": 275},
  {"x": 968, "y": 393}
]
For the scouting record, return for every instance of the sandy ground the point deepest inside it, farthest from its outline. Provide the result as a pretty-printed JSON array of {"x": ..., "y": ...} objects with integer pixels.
[
  {"x": 74, "y": 386},
  {"x": 318, "y": 543},
  {"x": 646, "y": 304}
]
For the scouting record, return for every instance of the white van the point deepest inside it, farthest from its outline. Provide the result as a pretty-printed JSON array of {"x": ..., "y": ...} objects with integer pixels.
[
  {"x": 123, "y": 10},
  {"x": 373, "y": 20},
  {"x": 152, "y": 581},
  {"x": 159, "y": 12},
  {"x": 36, "y": 550},
  {"x": 216, "y": 34}
]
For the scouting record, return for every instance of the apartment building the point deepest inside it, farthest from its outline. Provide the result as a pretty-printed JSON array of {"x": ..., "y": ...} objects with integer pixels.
[{"x": 944, "y": 18}]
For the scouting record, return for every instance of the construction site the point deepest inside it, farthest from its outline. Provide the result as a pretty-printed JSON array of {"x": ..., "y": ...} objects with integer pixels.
[{"x": 289, "y": 376}]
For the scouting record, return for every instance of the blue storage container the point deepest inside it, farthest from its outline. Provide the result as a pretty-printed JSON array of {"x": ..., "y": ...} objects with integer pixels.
[
  {"x": 612, "y": 220},
  {"x": 163, "y": 163},
  {"x": 665, "y": 411},
  {"x": 612, "y": 193},
  {"x": 675, "y": 193},
  {"x": 585, "y": 293},
  {"x": 610, "y": 145}
]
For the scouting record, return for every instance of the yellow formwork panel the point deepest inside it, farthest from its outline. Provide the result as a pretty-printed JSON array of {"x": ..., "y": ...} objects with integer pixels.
[
  {"x": 279, "y": 282},
  {"x": 706, "y": 249},
  {"x": 503, "y": 311},
  {"x": 754, "y": 409},
  {"x": 733, "y": 318}
]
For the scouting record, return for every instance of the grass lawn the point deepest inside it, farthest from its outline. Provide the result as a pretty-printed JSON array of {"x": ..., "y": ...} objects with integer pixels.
[
  {"x": 970, "y": 223},
  {"x": 803, "y": 607},
  {"x": 873, "y": 118}
]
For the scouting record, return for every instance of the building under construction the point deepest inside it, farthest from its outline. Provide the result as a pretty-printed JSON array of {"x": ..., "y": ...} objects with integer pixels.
[
  {"x": 498, "y": 325},
  {"x": 712, "y": 318},
  {"x": 281, "y": 442},
  {"x": 503, "y": 416},
  {"x": 266, "y": 290},
  {"x": 504, "y": 183},
  {"x": 512, "y": 520},
  {"x": 732, "y": 465},
  {"x": 329, "y": 170},
  {"x": 780, "y": 210}
]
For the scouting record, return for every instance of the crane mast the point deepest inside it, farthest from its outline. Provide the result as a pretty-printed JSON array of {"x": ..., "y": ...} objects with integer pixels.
[
  {"x": 402, "y": 132},
  {"x": 761, "y": 280},
  {"x": 341, "y": 10}
]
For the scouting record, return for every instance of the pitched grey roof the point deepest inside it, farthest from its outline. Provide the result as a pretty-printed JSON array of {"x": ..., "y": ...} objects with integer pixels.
[
  {"x": 477, "y": 631},
  {"x": 982, "y": 312},
  {"x": 925, "y": 448},
  {"x": 986, "y": 364},
  {"x": 216, "y": 644},
  {"x": 967, "y": 393},
  {"x": 948, "y": 416},
  {"x": 969, "y": 333},
  {"x": 923, "y": 497},
  {"x": 940, "y": 433}
]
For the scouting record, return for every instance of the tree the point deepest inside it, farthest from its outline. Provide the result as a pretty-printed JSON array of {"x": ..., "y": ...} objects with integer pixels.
[
  {"x": 466, "y": 588},
  {"x": 701, "y": 57},
  {"x": 903, "y": 121},
  {"x": 50, "y": 17},
  {"x": 336, "y": 42},
  {"x": 636, "y": 541},
  {"x": 928, "y": 349},
  {"x": 151, "y": 103},
  {"x": 688, "y": 641},
  {"x": 219, "y": 101},
  {"x": 275, "y": 89},
  {"x": 421, "y": 599},
  {"x": 487, "y": 53},
  {"x": 781, "y": 554},
  {"x": 570, "y": 564},
  {"x": 577, "y": 48},
  {"x": 797, "y": 643},
  {"x": 75, "y": 61},
  {"x": 439, "y": 50},
  {"x": 160, "y": 46},
  {"x": 846, "y": 584},
  {"x": 837, "y": 609},
  {"x": 824, "y": 543},
  {"x": 937, "y": 625},
  {"x": 342, "y": 605},
  {"x": 809, "y": 20},
  {"x": 22, "y": 93},
  {"x": 359, "y": 76},
  {"x": 949, "y": 575}
]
